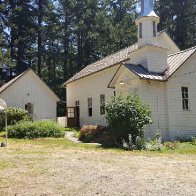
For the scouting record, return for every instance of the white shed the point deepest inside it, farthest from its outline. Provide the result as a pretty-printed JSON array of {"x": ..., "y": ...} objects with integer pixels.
[{"x": 28, "y": 91}]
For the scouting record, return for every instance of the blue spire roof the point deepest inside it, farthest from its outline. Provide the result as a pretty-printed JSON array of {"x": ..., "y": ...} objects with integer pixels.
[{"x": 147, "y": 8}]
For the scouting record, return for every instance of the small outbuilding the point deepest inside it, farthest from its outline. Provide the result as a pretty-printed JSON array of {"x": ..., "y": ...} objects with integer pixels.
[{"x": 29, "y": 92}]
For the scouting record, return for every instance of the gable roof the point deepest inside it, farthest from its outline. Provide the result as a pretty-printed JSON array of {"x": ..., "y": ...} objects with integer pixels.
[
  {"x": 175, "y": 61},
  {"x": 11, "y": 82},
  {"x": 109, "y": 61},
  {"x": 104, "y": 63}
]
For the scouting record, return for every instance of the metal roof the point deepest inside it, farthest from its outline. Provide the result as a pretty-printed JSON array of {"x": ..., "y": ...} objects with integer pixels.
[
  {"x": 104, "y": 63},
  {"x": 143, "y": 73},
  {"x": 174, "y": 61}
]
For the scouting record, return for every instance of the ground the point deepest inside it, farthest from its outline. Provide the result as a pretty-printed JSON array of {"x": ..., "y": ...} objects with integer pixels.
[{"x": 59, "y": 167}]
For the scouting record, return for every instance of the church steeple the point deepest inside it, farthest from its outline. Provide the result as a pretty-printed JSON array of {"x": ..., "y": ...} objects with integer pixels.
[{"x": 147, "y": 24}]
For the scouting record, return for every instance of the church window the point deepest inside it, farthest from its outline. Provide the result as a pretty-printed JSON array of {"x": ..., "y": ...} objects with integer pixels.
[
  {"x": 185, "y": 98},
  {"x": 102, "y": 104},
  {"x": 154, "y": 29},
  {"x": 140, "y": 30},
  {"x": 90, "y": 108}
]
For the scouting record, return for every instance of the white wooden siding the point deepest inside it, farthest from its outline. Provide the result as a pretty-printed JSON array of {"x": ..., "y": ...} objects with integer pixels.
[
  {"x": 28, "y": 89},
  {"x": 91, "y": 86},
  {"x": 182, "y": 123}
]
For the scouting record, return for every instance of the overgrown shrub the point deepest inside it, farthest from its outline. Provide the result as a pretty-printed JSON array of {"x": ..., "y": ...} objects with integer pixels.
[
  {"x": 36, "y": 129},
  {"x": 14, "y": 115},
  {"x": 89, "y": 133},
  {"x": 171, "y": 145},
  {"x": 128, "y": 115},
  {"x": 193, "y": 141}
]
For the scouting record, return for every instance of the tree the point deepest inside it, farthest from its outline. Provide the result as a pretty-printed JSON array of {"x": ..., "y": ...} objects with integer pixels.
[
  {"x": 178, "y": 18},
  {"x": 127, "y": 115}
]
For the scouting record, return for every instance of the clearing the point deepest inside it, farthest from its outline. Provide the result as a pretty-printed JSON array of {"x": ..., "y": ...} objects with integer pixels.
[{"x": 60, "y": 167}]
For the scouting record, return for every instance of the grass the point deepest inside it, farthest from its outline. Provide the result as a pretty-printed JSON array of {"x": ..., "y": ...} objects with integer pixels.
[
  {"x": 44, "y": 144},
  {"x": 28, "y": 165}
]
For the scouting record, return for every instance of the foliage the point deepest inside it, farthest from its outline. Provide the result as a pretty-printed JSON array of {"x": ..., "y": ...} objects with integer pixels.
[
  {"x": 36, "y": 129},
  {"x": 14, "y": 115},
  {"x": 127, "y": 115},
  {"x": 171, "y": 145},
  {"x": 89, "y": 133},
  {"x": 193, "y": 141},
  {"x": 139, "y": 143},
  {"x": 178, "y": 18}
]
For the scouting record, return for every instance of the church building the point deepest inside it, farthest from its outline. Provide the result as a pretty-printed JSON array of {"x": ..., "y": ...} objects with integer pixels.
[{"x": 154, "y": 69}]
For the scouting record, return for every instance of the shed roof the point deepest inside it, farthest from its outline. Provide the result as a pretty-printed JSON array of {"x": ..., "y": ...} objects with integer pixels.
[{"x": 11, "y": 82}]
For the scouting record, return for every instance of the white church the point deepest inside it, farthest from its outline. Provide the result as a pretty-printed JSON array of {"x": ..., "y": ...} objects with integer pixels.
[{"x": 154, "y": 69}]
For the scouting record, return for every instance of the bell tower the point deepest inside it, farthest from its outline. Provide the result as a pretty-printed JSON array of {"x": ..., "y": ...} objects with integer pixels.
[{"x": 147, "y": 24}]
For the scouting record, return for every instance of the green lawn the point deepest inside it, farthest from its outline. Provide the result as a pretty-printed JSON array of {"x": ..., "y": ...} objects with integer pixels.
[{"x": 52, "y": 166}]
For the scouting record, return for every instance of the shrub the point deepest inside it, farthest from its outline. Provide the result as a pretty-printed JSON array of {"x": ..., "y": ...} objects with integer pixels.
[
  {"x": 14, "y": 115},
  {"x": 171, "y": 145},
  {"x": 36, "y": 129},
  {"x": 89, "y": 133},
  {"x": 128, "y": 115},
  {"x": 193, "y": 141}
]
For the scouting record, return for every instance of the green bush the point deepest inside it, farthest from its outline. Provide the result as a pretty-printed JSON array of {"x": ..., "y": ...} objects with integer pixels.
[
  {"x": 171, "y": 145},
  {"x": 127, "y": 115},
  {"x": 90, "y": 133},
  {"x": 14, "y": 115},
  {"x": 36, "y": 129}
]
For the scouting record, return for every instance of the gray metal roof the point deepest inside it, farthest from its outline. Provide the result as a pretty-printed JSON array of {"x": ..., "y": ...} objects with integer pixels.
[
  {"x": 175, "y": 61},
  {"x": 143, "y": 73},
  {"x": 104, "y": 63}
]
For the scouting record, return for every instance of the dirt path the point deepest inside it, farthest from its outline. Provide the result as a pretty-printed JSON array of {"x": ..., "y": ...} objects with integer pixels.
[
  {"x": 69, "y": 136},
  {"x": 81, "y": 172}
]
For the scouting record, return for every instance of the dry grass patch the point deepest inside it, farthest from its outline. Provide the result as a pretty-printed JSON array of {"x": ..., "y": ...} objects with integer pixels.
[{"x": 59, "y": 167}]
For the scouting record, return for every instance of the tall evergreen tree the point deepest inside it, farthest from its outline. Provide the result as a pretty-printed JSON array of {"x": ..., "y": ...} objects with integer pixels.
[{"x": 178, "y": 18}]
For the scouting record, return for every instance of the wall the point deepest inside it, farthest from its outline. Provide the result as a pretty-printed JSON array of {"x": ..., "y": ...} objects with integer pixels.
[
  {"x": 182, "y": 122},
  {"x": 152, "y": 93},
  {"x": 28, "y": 89},
  {"x": 91, "y": 86}
]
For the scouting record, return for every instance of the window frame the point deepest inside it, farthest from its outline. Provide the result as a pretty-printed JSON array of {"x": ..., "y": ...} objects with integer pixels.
[
  {"x": 102, "y": 104},
  {"x": 29, "y": 108},
  {"x": 185, "y": 98},
  {"x": 90, "y": 106},
  {"x": 70, "y": 112},
  {"x": 154, "y": 29},
  {"x": 140, "y": 30}
]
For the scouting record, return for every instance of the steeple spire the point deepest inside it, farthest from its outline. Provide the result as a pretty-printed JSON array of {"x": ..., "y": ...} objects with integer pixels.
[
  {"x": 147, "y": 8},
  {"x": 147, "y": 24}
]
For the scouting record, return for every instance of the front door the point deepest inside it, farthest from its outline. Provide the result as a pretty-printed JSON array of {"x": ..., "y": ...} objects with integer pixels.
[{"x": 71, "y": 119}]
